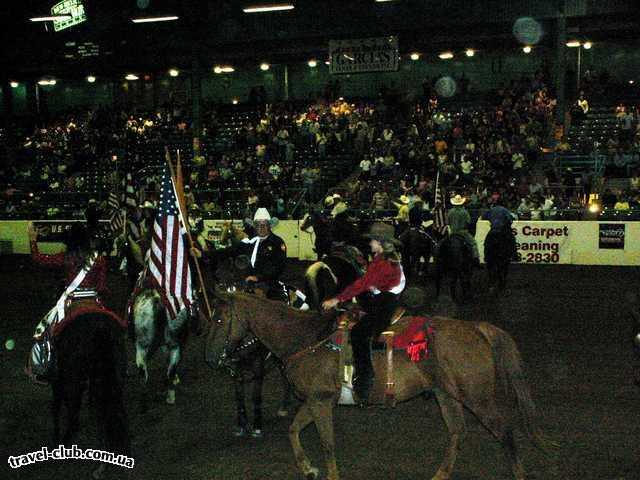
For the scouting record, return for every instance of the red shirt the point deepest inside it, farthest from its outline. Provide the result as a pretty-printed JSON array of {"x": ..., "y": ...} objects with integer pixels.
[
  {"x": 95, "y": 279},
  {"x": 381, "y": 274}
]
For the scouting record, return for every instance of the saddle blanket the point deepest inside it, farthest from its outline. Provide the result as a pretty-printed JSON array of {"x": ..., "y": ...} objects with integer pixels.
[
  {"x": 84, "y": 307},
  {"x": 412, "y": 334}
]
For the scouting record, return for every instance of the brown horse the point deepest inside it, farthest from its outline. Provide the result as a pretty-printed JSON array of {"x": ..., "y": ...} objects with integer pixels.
[{"x": 462, "y": 371}]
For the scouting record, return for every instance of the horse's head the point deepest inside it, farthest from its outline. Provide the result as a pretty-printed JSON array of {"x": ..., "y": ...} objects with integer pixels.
[{"x": 228, "y": 329}]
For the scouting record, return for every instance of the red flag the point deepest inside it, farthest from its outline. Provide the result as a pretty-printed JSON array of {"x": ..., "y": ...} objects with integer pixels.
[{"x": 169, "y": 262}]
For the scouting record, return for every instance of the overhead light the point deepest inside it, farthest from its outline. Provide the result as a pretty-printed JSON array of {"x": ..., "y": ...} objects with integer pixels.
[
  {"x": 131, "y": 76},
  {"x": 264, "y": 67},
  {"x": 631, "y": 82},
  {"x": 587, "y": 45},
  {"x": 234, "y": 101},
  {"x": 470, "y": 52},
  {"x": 415, "y": 56},
  {"x": 228, "y": 69},
  {"x": 51, "y": 18},
  {"x": 384, "y": 1},
  {"x": 168, "y": 18},
  {"x": 312, "y": 63},
  {"x": 327, "y": 62},
  {"x": 45, "y": 81},
  {"x": 594, "y": 208},
  {"x": 446, "y": 55},
  {"x": 174, "y": 72},
  {"x": 217, "y": 69},
  {"x": 274, "y": 7},
  {"x": 91, "y": 79},
  {"x": 526, "y": 49},
  {"x": 573, "y": 44},
  {"x": 14, "y": 84}
]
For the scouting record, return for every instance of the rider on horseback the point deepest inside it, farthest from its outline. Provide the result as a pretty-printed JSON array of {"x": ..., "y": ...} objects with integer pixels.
[
  {"x": 459, "y": 220},
  {"x": 501, "y": 219},
  {"x": 384, "y": 280},
  {"x": 86, "y": 274},
  {"x": 267, "y": 255}
]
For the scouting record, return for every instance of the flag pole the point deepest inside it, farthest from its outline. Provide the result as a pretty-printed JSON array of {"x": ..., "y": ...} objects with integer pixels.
[{"x": 186, "y": 227}]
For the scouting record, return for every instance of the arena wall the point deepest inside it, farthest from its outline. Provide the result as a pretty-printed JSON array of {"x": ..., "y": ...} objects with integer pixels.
[{"x": 571, "y": 243}]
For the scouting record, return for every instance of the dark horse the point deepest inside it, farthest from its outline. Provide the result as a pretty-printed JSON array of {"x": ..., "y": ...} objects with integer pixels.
[
  {"x": 417, "y": 244},
  {"x": 467, "y": 362},
  {"x": 498, "y": 251},
  {"x": 249, "y": 363},
  {"x": 325, "y": 278},
  {"x": 455, "y": 261},
  {"x": 90, "y": 351},
  {"x": 322, "y": 230}
]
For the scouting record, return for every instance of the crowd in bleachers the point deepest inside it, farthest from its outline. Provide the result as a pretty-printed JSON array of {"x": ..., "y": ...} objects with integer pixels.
[{"x": 286, "y": 156}]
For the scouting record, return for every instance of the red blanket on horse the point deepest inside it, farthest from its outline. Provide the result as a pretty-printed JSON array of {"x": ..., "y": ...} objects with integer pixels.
[{"x": 84, "y": 307}]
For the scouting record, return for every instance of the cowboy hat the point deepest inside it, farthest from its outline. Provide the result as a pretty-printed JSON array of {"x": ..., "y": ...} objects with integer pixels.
[
  {"x": 404, "y": 199},
  {"x": 148, "y": 204},
  {"x": 261, "y": 214},
  {"x": 458, "y": 200},
  {"x": 341, "y": 207},
  {"x": 384, "y": 233},
  {"x": 328, "y": 201}
]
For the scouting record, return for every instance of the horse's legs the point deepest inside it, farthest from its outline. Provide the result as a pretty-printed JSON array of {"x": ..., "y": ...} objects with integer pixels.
[
  {"x": 243, "y": 423},
  {"x": 258, "y": 382},
  {"x": 175, "y": 354},
  {"x": 55, "y": 409},
  {"x": 303, "y": 418},
  {"x": 484, "y": 407},
  {"x": 141, "y": 362},
  {"x": 73, "y": 389},
  {"x": 323, "y": 418},
  {"x": 283, "y": 411},
  {"x": 453, "y": 415}
]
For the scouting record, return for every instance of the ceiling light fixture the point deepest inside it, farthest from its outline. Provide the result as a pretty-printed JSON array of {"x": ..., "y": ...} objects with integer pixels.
[
  {"x": 415, "y": 56},
  {"x": 470, "y": 52},
  {"x": 167, "y": 18},
  {"x": 174, "y": 72},
  {"x": 526, "y": 49},
  {"x": 446, "y": 55},
  {"x": 50, "y": 18},
  {"x": 312, "y": 63},
  {"x": 274, "y": 7},
  {"x": 264, "y": 67},
  {"x": 14, "y": 84},
  {"x": 131, "y": 77},
  {"x": 91, "y": 79},
  {"x": 573, "y": 44}
]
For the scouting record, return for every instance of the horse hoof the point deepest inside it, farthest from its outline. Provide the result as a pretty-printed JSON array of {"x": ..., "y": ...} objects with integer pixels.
[
  {"x": 256, "y": 433},
  {"x": 283, "y": 413},
  {"x": 98, "y": 473},
  {"x": 312, "y": 474},
  {"x": 171, "y": 397},
  {"x": 239, "y": 432}
]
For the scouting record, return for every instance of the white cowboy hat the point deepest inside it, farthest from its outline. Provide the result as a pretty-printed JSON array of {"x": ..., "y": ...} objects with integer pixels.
[
  {"x": 148, "y": 204},
  {"x": 458, "y": 200},
  {"x": 339, "y": 208},
  {"x": 328, "y": 202},
  {"x": 261, "y": 214},
  {"x": 404, "y": 200}
]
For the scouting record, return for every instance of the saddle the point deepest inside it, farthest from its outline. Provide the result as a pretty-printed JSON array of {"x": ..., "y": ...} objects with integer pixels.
[
  {"x": 411, "y": 334},
  {"x": 350, "y": 255},
  {"x": 84, "y": 306}
]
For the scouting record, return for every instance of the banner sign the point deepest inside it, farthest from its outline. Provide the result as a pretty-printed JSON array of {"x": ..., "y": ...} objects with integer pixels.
[
  {"x": 74, "y": 8},
  {"x": 611, "y": 236},
  {"x": 53, "y": 230},
  {"x": 543, "y": 242},
  {"x": 364, "y": 55}
]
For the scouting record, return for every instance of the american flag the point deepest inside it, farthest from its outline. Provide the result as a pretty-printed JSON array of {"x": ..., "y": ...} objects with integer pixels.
[
  {"x": 129, "y": 191},
  {"x": 116, "y": 220},
  {"x": 439, "y": 211},
  {"x": 169, "y": 261}
]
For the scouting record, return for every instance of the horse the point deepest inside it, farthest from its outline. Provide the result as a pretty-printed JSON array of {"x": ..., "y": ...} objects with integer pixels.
[
  {"x": 453, "y": 259},
  {"x": 417, "y": 243},
  {"x": 498, "y": 249},
  {"x": 325, "y": 278},
  {"x": 154, "y": 328},
  {"x": 466, "y": 361},
  {"x": 91, "y": 351},
  {"x": 250, "y": 363},
  {"x": 322, "y": 229}
]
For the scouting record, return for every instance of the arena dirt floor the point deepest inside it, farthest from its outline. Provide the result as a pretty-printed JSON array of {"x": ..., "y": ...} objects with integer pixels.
[{"x": 569, "y": 323}]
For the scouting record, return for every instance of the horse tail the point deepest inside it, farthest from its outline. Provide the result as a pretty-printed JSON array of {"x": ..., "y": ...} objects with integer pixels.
[
  {"x": 312, "y": 287},
  {"x": 510, "y": 369},
  {"x": 146, "y": 309}
]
